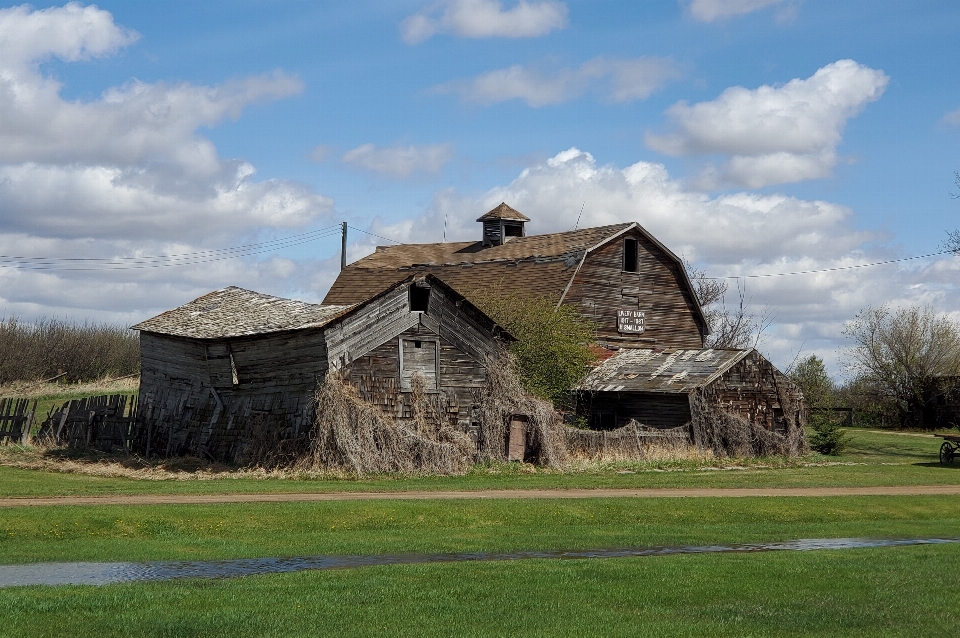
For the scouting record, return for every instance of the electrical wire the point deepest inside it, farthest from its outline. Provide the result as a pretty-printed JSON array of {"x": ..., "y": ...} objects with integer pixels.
[
  {"x": 836, "y": 268},
  {"x": 163, "y": 261},
  {"x": 374, "y": 235}
]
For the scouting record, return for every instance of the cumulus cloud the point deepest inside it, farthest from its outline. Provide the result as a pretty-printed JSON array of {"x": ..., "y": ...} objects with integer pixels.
[
  {"x": 737, "y": 234},
  {"x": 126, "y": 173},
  {"x": 774, "y": 134},
  {"x": 70, "y": 33},
  {"x": 484, "y": 19},
  {"x": 712, "y": 10},
  {"x": 400, "y": 161},
  {"x": 615, "y": 80}
]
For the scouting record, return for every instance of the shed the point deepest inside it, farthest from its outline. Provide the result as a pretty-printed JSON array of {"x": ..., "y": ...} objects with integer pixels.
[
  {"x": 235, "y": 365},
  {"x": 659, "y": 387}
]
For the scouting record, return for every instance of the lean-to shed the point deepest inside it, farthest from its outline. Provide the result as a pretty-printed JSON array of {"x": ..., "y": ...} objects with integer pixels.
[
  {"x": 661, "y": 387},
  {"x": 235, "y": 365}
]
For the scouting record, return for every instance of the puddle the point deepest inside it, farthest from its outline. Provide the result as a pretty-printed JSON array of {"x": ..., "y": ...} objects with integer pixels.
[{"x": 104, "y": 573}]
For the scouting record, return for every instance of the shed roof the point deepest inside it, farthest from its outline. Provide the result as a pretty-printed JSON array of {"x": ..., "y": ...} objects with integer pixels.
[
  {"x": 236, "y": 312},
  {"x": 503, "y": 212},
  {"x": 661, "y": 371}
]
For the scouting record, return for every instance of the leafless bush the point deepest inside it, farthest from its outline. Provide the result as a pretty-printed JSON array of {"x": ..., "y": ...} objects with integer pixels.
[
  {"x": 730, "y": 435},
  {"x": 47, "y": 347},
  {"x": 629, "y": 443},
  {"x": 355, "y": 437}
]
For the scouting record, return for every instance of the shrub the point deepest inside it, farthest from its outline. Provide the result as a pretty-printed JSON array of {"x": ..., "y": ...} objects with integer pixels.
[
  {"x": 828, "y": 437},
  {"x": 553, "y": 348},
  {"x": 47, "y": 347}
]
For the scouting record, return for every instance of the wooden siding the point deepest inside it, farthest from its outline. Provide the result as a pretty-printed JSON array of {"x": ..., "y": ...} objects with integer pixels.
[
  {"x": 376, "y": 375},
  {"x": 752, "y": 389},
  {"x": 757, "y": 392},
  {"x": 601, "y": 287},
  {"x": 190, "y": 405}
]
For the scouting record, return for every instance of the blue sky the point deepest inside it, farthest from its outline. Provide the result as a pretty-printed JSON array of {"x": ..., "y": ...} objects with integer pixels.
[{"x": 752, "y": 136}]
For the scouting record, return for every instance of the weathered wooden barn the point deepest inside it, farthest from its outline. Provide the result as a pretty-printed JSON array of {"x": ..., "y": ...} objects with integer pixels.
[
  {"x": 620, "y": 276},
  {"x": 234, "y": 364},
  {"x": 658, "y": 388}
]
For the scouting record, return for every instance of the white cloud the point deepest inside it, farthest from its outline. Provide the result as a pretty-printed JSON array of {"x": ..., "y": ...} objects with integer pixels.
[
  {"x": 952, "y": 118},
  {"x": 400, "y": 161},
  {"x": 70, "y": 33},
  {"x": 775, "y": 134},
  {"x": 735, "y": 234},
  {"x": 484, "y": 19},
  {"x": 712, "y": 10},
  {"x": 125, "y": 174},
  {"x": 616, "y": 80}
]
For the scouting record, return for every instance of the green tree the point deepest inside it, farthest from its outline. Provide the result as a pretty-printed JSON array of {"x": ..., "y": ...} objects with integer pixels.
[
  {"x": 553, "y": 348},
  {"x": 898, "y": 357},
  {"x": 819, "y": 392}
]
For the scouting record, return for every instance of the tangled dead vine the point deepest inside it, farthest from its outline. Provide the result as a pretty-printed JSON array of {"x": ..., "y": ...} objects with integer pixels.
[
  {"x": 355, "y": 437},
  {"x": 730, "y": 435}
]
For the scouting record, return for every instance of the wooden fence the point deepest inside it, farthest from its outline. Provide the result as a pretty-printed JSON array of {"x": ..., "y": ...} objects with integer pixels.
[
  {"x": 16, "y": 418},
  {"x": 106, "y": 422}
]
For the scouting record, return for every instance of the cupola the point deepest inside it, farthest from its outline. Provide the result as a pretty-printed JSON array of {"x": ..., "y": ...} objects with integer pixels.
[{"x": 502, "y": 224}]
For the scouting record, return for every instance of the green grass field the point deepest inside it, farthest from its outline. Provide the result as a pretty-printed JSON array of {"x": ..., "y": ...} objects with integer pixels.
[
  {"x": 903, "y": 591},
  {"x": 872, "y": 459},
  {"x": 908, "y": 591}
]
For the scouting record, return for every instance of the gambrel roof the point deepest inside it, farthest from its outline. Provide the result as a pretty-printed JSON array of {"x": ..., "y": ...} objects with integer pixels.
[{"x": 536, "y": 265}]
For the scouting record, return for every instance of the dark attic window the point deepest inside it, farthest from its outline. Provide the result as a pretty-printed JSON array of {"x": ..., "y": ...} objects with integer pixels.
[
  {"x": 630, "y": 257},
  {"x": 513, "y": 230},
  {"x": 419, "y": 299}
]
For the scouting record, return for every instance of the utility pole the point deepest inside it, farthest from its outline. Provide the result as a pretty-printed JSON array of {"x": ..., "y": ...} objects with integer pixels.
[{"x": 343, "y": 245}]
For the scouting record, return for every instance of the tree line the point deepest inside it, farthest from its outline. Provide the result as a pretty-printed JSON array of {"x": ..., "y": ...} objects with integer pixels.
[{"x": 45, "y": 348}]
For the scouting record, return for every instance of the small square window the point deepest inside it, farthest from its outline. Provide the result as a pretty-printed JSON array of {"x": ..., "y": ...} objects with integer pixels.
[
  {"x": 417, "y": 344},
  {"x": 419, "y": 299},
  {"x": 630, "y": 257}
]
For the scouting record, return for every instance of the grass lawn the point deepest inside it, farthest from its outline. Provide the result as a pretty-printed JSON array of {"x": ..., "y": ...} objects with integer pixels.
[
  {"x": 907, "y": 591},
  {"x": 872, "y": 459},
  {"x": 121, "y": 533},
  {"x": 904, "y": 591}
]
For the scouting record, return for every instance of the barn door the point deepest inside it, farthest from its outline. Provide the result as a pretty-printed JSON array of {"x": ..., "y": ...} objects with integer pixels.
[{"x": 418, "y": 356}]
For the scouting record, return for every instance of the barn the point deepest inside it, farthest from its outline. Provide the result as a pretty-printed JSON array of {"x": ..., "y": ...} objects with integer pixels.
[
  {"x": 619, "y": 276},
  {"x": 666, "y": 388},
  {"x": 235, "y": 365},
  {"x": 637, "y": 293}
]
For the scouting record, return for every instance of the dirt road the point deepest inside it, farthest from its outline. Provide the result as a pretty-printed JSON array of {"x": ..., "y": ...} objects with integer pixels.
[{"x": 191, "y": 499}]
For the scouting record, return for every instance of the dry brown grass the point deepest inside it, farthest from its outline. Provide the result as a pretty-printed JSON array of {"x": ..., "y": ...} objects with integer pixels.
[{"x": 34, "y": 390}]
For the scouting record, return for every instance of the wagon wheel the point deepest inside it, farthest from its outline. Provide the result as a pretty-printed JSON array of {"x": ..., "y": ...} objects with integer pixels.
[{"x": 947, "y": 453}]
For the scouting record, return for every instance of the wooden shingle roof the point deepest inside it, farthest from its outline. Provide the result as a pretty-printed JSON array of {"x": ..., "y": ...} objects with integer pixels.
[
  {"x": 660, "y": 371},
  {"x": 503, "y": 212},
  {"x": 235, "y": 312},
  {"x": 538, "y": 264}
]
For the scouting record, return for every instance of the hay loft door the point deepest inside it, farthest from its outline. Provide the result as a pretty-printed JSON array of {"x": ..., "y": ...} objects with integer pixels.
[{"x": 419, "y": 356}]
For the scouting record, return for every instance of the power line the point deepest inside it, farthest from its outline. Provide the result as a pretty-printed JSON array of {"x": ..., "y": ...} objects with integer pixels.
[
  {"x": 374, "y": 235},
  {"x": 836, "y": 268},
  {"x": 163, "y": 261}
]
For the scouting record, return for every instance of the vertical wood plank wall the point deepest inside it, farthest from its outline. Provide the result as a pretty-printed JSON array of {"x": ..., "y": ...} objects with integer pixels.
[
  {"x": 598, "y": 291},
  {"x": 189, "y": 403}
]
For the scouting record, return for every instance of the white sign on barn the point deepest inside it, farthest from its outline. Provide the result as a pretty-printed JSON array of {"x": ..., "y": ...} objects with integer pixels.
[{"x": 629, "y": 321}]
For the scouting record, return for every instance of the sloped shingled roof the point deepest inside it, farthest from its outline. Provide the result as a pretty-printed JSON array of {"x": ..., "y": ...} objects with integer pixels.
[
  {"x": 539, "y": 264},
  {"x": 660, "y": 371},
  {"x": 235, "y": 312},
  {"x": 504, "y": 212}
]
